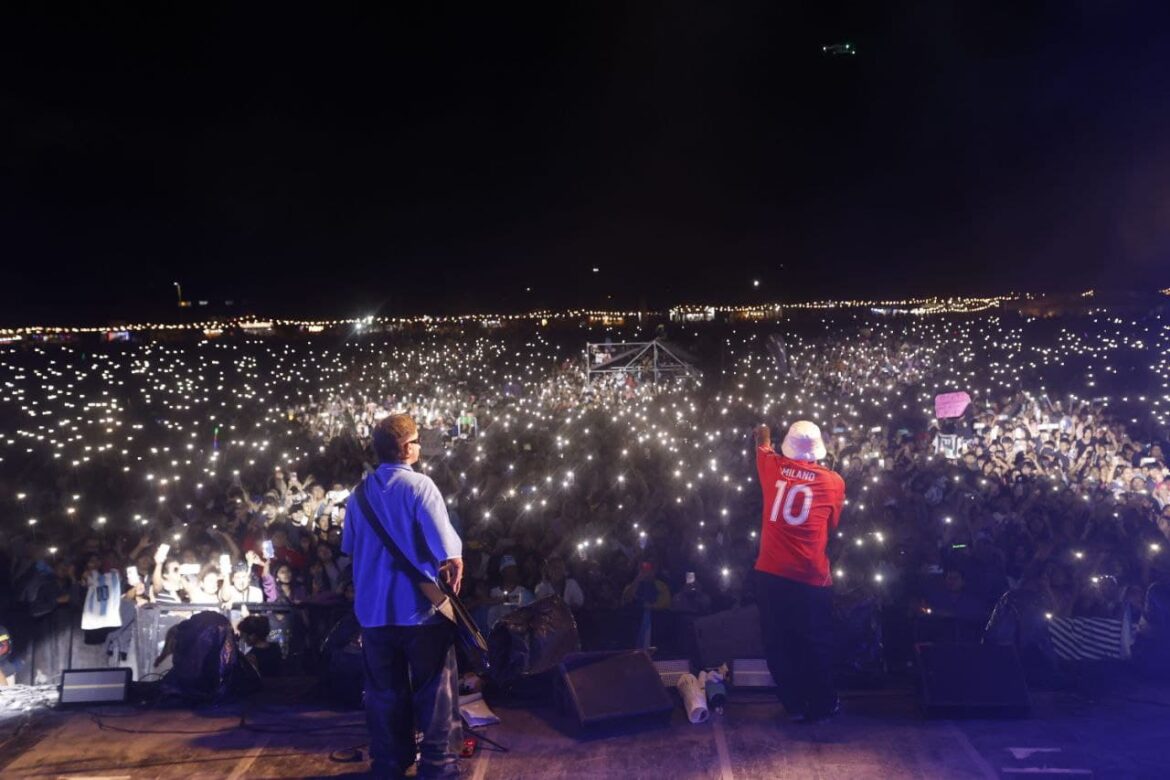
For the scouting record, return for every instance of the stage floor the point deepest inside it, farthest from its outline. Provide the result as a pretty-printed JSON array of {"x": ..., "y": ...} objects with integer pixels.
[{"x": 879, "y": 735}]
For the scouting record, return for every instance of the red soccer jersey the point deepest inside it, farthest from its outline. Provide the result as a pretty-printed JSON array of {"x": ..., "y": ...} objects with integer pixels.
[{"x": 802, "y": 505}]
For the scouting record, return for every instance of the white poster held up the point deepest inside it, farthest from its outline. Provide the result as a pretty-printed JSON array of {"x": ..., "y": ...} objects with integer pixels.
[
  {"x": 947, "y": 445},
  {"x": 102, "y": 601}
]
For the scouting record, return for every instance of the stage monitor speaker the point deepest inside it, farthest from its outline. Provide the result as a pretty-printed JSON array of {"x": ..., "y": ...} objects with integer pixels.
[
  {"x": 609, "y": 686},
  {"x": 969, "y": 680},
  {"x": 733, "y": 633},
  {"x": 669, "y": 671},
  {"x": 94, "y": 686},
  {"x": 751, "y": 673}
]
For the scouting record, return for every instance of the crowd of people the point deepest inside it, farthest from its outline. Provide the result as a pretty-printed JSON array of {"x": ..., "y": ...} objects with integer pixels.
[{"x": 215, "y": 474}]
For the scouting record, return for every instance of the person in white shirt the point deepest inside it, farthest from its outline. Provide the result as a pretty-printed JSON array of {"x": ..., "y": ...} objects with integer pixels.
[
  {"x": 165, "y": 582},
  {"x": 557, "y": 582},
  {"x": 408, "y": 647},
  {"x": 509, "y": 595},
  {"x": 239, "y": 588},
  {"x": 207, "y": 590}
]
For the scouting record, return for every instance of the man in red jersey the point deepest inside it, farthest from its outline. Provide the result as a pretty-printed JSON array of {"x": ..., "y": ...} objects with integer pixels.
[{"x": 802, "y": 506}]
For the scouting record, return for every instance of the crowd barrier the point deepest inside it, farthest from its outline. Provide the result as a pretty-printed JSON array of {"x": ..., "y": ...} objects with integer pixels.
[
  {"x": 1091, "y": 639},
  {"x": 44, "y": 646},
  {"x": 153, "y": 621}
]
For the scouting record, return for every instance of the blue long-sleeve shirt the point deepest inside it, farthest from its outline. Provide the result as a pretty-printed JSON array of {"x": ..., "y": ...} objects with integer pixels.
[{"x": 412, "y": 511}]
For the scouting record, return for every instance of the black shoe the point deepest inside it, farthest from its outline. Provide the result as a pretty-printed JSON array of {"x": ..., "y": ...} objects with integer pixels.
[
  {"x": 793, "y": 711},
  {"x": 823, "y": 718}
]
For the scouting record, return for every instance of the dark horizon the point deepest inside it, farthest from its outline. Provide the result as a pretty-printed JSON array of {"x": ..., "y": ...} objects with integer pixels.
[{"x": 447, "y": 162}]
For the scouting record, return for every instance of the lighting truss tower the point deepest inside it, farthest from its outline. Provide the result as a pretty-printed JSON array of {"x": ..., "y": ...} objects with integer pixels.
[{"x": 653, "y": 359}]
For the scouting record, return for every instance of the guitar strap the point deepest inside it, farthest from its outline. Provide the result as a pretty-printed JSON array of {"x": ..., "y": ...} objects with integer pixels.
[{"x": 429, "y": 589}]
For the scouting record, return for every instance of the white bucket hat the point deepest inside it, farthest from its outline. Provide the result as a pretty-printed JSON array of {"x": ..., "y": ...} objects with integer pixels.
[{"x": 803, "y": 442}]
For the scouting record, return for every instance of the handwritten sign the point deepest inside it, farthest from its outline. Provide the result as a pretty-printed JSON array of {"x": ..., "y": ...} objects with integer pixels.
[{"x": 948, "y": 405}]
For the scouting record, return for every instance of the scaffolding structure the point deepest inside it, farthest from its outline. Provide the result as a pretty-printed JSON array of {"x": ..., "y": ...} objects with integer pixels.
[{"x": 639, "y": 359}]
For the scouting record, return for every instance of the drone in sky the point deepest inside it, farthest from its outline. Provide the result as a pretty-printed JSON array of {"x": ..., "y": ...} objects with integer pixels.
[{"x": 839, "y": 49}]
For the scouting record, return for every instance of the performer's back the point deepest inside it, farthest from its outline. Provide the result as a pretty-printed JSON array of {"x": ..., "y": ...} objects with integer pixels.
[{"x": 802, "y": 506}]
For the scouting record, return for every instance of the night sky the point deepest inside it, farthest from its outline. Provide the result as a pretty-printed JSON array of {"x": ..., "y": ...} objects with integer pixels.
[{"x": 448, "y": 159}]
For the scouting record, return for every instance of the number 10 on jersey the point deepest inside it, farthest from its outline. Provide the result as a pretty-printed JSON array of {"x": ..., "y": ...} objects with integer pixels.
[{"x": 786, "y": 498}]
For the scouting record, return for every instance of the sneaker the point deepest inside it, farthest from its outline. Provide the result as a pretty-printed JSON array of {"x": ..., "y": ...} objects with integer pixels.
[{"x": 825, "y": 718}]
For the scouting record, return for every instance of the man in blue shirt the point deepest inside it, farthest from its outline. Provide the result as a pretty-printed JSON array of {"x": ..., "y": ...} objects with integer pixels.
[{"x": 407, "y": 646}]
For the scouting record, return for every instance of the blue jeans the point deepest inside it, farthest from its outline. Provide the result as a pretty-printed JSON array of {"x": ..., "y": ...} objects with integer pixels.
[{"x": 412, "y": 681}]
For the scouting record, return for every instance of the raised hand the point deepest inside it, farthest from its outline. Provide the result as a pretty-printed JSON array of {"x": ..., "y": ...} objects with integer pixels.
[
  {"x": 452, "y": 573},
  {"x": 763, "y": 436}
]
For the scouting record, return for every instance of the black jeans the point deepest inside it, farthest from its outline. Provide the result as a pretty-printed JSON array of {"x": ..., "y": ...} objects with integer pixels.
[
  {"x": 412, "y": 680},
  {"x": 796, "y": 624}
]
